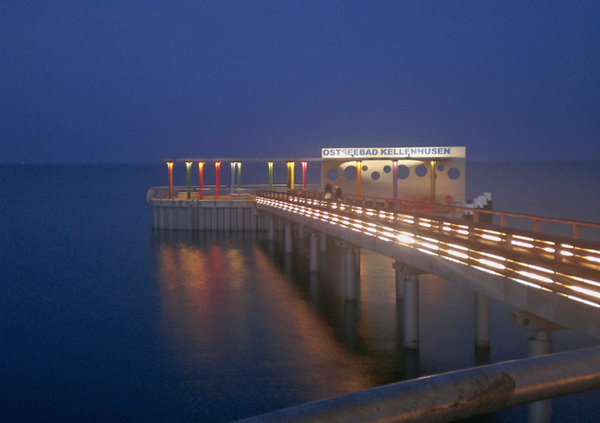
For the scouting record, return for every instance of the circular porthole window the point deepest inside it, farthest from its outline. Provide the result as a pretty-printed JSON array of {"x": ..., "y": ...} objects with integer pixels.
[
  {"x": 375, "y": 176},
  {"x": 441, "y": 168},
  {"x": 421, "y": 170},
  {"x": 403, "y": 172},
  {"x": 350, "y": 173},
  {"x": 453, "y": 173},
  {"x": 365, "y": 168},
  {"x": 387, "y": 168},
  {"x": 332, "y": 174}
]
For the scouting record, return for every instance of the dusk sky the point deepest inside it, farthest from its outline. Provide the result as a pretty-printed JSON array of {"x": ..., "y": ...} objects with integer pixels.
[{"x": 138, "y": 81}]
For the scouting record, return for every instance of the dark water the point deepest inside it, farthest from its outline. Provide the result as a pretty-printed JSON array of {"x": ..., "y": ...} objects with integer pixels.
[{"x": 104, "y": 319}]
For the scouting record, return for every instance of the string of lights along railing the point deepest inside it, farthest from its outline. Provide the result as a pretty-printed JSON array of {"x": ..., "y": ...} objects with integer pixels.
[{"x": 567, "y": 269}]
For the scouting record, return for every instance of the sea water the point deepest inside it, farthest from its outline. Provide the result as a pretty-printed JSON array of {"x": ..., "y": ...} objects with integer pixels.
[{"x": 104, "y": 319}]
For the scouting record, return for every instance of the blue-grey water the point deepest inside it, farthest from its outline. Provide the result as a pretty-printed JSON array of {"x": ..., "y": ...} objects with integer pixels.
[{"x": 104, "y": 319}]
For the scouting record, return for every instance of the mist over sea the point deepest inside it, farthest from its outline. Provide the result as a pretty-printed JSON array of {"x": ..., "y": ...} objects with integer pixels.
[{"x": 104, "y": 319}]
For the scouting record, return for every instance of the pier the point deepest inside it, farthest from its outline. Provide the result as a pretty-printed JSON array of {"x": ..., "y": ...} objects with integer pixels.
[{"x": 553, "y": 279}]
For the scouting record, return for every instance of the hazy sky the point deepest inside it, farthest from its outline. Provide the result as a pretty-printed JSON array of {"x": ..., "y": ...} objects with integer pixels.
[{"x": 137, "y": 81}]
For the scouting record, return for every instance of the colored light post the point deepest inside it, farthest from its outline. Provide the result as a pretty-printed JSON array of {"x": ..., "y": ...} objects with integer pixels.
[
  {"x": 233, "y": 165},
  {"x": 170, "y": 167},
  {"x": 290, "y": 175},
  {"x": 433, "y": 163},
  {"x": 188, "y": 179},
  {"x": 218, "y": 177},
  {"x": 201, "y": 180},
  {"x": 270, "y": 176},
  {"x": 358, "y": 178},
  {"x": 395, "y": 177},
  {"x": 304, "y": 164}
]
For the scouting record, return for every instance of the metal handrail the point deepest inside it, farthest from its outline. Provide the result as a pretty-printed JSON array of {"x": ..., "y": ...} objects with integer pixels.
[
  {"x": 455, "y": 395},
  {"x": 453, "y": 211},
  {"x": 567, "y": 267},
  {"x": 180, "y": 193}
]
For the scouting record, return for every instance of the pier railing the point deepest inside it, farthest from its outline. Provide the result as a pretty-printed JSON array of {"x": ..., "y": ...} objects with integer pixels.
[
  {"x": 564, "y": 266},
  {"x": 536, "y": 224},
  {"x": 210, "y": 191}
]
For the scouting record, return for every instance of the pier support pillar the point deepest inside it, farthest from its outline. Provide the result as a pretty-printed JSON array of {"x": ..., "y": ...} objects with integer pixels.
[
  {"x": 300, "y": 237},
  {"x": 410, "y": 314},
  {"x": 314, "y": 252},
  {"x": 323, "y": 242},
  {"x": 540, "y": 344},
  {"x": 271, "y": 223},
  {"x": 289, "y": 248},
  {"x": 350, "y": 277},
  {"x": 540, "y": 411},
  {"x": 400, "y": 277},
  {"x": 482, "y": 320},
  {"x": 357, "y": 259}
]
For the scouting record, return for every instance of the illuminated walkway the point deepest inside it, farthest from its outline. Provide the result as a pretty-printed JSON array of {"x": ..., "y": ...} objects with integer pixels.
[{"x": 556, "y": 278}]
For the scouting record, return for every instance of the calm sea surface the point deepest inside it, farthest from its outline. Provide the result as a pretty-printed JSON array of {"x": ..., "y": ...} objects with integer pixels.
[{"x": 104, "y": 319}]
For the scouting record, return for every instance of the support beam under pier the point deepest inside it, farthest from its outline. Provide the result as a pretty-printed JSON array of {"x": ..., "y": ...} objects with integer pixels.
[
  {"x": 351, "y": 275},
  {"x": 357, "y": 259},
  {"x": 410, "y": 314},
  {"x": 482, "y": 320},
  {"x": 271, "y": 223},
  {"x": 289, "y": 239},
  {"x": 314, "y": 252},
  {"x": 541, "y": 344},
  {"x": 400, "y": 277},
  {"x": 323, "y": 242}
]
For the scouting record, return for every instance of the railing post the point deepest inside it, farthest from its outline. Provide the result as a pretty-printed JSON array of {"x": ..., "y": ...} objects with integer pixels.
[
  {"x": 472, "y": 232},
  {"x": 509, "y": 246},
  {"x": 557, "y": 255},
  {"x": 536, "y": 225},
  {"x": 576, "y": 231}
]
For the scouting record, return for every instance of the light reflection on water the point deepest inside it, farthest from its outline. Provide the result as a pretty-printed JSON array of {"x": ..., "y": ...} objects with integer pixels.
[
  {"x": 228, "y": 307},
  {"x": 248, "y": 321},
  {"x": 98, "y": 324}
]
